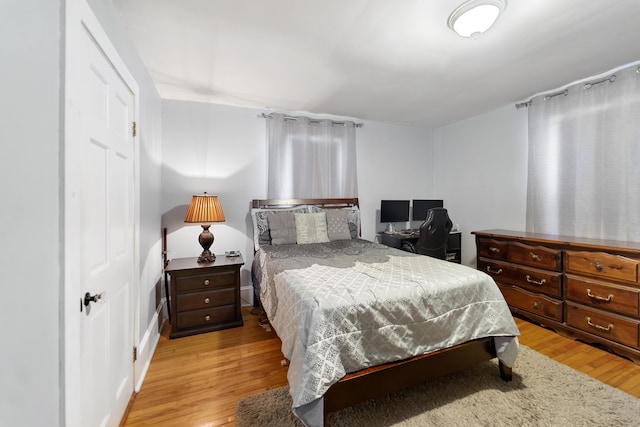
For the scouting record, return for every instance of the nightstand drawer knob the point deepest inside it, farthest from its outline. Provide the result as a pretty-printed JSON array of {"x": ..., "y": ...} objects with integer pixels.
[
  {"x": 207, "y": 300},
  {"x": 207, "y": 318},
  {"x": 206, "y": 282}
]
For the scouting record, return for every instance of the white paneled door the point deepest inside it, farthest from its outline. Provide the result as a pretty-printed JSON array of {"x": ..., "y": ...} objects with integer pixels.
[{"x": 100, "y": 252}]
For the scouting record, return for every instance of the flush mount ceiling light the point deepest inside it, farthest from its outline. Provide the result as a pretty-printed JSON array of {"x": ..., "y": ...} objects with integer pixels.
[{"x": 474, "y": 17}]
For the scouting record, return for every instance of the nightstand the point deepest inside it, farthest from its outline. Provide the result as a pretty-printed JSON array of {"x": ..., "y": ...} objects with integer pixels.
[{"x": 204, "y": 296}]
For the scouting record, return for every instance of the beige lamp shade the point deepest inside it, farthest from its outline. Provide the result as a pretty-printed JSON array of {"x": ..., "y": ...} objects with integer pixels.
[{"x": 204, "y": 209}]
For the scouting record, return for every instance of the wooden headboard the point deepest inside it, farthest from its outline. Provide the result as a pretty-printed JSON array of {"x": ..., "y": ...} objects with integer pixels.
[{"x": 323, "y": 203}]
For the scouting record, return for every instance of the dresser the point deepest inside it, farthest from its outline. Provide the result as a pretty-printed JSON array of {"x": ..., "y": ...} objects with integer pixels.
[
  {"x": 204, "y": 296},
  {"x": 587, "y": 289}
]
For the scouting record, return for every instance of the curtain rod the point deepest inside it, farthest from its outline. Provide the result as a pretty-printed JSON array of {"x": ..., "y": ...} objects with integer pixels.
[
  {"x": 586, "y": 85},
  {"x": 334, "y": 122}
]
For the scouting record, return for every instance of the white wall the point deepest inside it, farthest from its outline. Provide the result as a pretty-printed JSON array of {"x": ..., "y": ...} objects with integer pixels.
[
  {"x": 394, "y": 162},
  {"x": 482, "y": 173},
  {"x": 30, "y": 248},
  {"x": 222, "y": 150},
  {"x": 217, "y": 149}
]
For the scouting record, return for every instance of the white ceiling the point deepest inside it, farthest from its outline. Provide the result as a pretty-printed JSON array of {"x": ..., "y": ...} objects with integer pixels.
[{"x": 384, "y": 60}]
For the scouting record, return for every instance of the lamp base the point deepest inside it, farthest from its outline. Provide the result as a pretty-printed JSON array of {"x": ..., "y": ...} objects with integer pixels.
[
  {"x": 206, "y": 256},
  {"x": 206, "y": 240}
]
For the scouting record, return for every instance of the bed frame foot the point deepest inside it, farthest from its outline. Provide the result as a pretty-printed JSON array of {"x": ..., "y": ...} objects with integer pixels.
[{"x": 506, "y": 373}]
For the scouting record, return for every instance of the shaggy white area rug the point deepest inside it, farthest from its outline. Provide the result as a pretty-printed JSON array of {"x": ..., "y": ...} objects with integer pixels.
[{"x": 543, "y": 393}]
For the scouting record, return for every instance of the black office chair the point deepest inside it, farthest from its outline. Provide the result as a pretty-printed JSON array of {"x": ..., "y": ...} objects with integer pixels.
[{"x": 434, "y": 233}]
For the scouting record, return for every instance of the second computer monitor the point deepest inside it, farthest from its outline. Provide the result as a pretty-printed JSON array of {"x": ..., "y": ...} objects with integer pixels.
[{"x": 421, "y": 207}]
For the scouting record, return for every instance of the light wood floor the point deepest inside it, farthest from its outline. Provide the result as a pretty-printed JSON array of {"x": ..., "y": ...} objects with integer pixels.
[{"x": 197, "y": 380}]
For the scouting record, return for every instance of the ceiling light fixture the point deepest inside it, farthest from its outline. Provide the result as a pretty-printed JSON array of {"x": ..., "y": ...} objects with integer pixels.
[{"x": 474, "y": 17}]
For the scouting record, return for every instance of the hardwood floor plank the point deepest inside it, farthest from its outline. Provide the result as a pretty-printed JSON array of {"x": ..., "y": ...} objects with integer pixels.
[{"x": 197, "y": 380}]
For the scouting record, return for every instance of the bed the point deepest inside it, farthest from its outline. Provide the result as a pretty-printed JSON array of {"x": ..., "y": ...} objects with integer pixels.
[{"x": 358, "y": 319}]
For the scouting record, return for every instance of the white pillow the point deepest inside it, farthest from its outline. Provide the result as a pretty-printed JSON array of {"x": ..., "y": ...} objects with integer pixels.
[{"x": 311, "y": 228}]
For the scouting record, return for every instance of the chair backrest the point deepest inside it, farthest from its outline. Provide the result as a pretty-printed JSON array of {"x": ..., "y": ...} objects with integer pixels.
[{"x": 434, "y": 233}]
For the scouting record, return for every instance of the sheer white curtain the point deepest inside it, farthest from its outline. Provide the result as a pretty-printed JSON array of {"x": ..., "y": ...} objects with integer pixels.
[
  {"x": 310, "y": 158},
  {"x": 584, "y": 159}
]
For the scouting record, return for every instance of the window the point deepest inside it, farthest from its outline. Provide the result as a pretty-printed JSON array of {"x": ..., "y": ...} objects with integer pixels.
[
  {"x": 310, "y": 158},
  {"x": 584, "y": 160}
]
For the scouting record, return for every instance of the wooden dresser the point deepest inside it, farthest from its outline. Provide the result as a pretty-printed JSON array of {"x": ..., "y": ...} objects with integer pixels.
[
  {"x": 585, "y": 289},
  {"x": 204, "y": 296}
]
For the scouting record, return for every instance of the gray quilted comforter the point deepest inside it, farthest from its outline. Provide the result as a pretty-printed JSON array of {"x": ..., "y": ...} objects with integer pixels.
[{"x": 343, "y": 306}]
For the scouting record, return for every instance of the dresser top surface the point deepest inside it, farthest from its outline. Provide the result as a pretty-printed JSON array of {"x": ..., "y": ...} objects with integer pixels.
[{"x": 558, "y": 239}]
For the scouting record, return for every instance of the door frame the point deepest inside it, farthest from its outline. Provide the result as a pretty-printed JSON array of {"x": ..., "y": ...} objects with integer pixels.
[{"x": 79, "y": 17}]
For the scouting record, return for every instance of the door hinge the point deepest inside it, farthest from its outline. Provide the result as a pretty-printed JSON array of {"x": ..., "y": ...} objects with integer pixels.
[
  {"x": 135, "y": 353},
  {"x": 135, "y": 128}
]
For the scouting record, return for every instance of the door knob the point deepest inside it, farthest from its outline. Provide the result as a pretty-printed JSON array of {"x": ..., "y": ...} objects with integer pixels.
[{"x": 88, "y": 298}]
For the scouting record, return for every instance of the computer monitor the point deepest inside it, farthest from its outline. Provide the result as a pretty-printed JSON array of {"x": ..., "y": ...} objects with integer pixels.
[
  {"x": 394, "y": 211},
  {"x": 421, "y": 207}
]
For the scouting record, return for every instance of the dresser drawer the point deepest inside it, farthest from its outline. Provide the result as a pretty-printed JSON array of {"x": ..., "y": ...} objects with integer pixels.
[
  {"x": 536, "y": 256},
  {"x": 490, "y": 248},
  {"x": 213, "y": 298},
  {"x": 210, "y": 280},
  {"x": 602, "y": 264},
  {"x": 603, "y": 324},
  {"x": 535, "y": 280},
  {"x": 603, "y": 295},
  {"x": 520, "y": 299},
  {"x": 206, "y": 317}
]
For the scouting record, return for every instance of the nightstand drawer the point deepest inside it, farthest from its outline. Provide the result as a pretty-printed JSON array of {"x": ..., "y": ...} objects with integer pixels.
[
  {"x": 201, "y": 282},
  {"x": 607, "y": 325},
  {"x": 206, "y": 317},
  {"x": 206, "y": 299}
]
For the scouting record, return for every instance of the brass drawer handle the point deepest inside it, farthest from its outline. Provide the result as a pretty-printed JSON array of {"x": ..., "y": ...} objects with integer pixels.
[
  {"x": 599, "y": 267},
  {"x": 489, "y": 270},
  {"x": 206, "y": 282},
  {"x": 207, "y": 318},
  {"x": 534, "y": 257},
  {"x": 494, "y": 249},
  {"x": 540, "y": 283},
  {"x": 599, "y": 298},
  {"x": 606, "y": 329},
  {"x": 207, "y": 300},
  {"x": 537, "y": 304}
]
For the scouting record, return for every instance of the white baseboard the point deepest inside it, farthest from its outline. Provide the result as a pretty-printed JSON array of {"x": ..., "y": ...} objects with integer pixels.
[
  {"x": 246, "y": 295},
  {"x": 147, "y": 347}
]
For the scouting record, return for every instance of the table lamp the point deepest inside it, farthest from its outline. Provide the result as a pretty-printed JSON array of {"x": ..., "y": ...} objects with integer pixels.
[{"x": 205, "y": 209}]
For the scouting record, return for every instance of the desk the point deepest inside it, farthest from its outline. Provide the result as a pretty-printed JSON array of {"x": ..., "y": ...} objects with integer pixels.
[{"x": 399, "y": 240}]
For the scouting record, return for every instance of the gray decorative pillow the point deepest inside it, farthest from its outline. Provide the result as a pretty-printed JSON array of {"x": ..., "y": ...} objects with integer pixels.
[
  {"x": 261, "y": 234},
  {"x": 353, "y": 218},
  {"x": 311, "y": 228},
  {"x": 337, "y": 227},
  {"x": 282, "y": 227}
]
